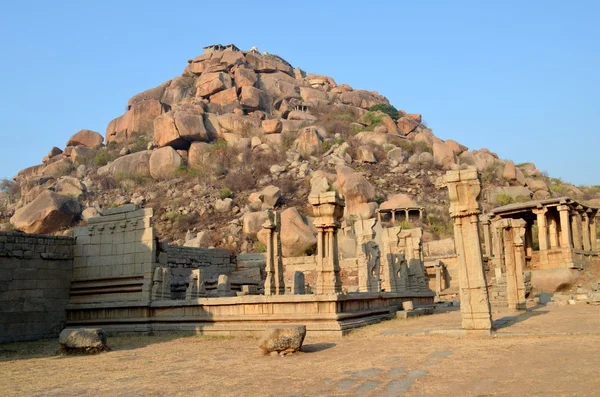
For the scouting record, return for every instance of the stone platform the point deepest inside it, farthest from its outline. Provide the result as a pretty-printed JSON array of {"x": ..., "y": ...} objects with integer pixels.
[{"x": 331, "y": 315}]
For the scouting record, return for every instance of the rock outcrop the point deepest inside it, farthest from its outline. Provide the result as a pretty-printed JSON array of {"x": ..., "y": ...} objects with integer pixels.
[{"x": 47, "y": 213}]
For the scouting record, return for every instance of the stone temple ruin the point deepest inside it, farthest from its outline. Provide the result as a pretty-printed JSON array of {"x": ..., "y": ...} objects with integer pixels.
[{"x": 115, "y": 274}]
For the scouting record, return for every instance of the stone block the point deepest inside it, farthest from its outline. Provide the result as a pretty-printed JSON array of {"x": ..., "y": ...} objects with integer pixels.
[
  {"x": 83, "y": 340},
  {"x": 282, "y": 338}
]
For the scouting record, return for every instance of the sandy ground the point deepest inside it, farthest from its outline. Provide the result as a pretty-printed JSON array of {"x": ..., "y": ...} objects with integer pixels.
[{"x": 548, "y": 351}]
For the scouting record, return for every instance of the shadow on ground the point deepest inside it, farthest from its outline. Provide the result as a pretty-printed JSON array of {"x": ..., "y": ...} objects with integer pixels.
[
  {"x": 317, "y": 347},
  {"x": 518, "y": 317}
]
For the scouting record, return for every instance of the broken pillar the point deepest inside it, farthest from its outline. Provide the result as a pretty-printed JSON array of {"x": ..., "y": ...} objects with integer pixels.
[
  {"x": 514, "y": 257},
  {"x": 368, "y": 256},
  {"x": 464, "y": 188}
]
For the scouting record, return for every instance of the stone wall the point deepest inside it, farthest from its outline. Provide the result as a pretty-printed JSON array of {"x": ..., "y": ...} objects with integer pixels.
[
  {"x": 182, "y": 260},
  {"x": 35, "y": 274}
]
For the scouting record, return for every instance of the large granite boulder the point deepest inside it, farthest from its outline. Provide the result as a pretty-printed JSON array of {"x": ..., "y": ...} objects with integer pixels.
[
  {"x": 49, "y": 212},
  {"x": 180, "y": 127},
  {"x": 282, "y": 339},
  {"x": 82, "y": 340},
  {"x": 554, "y": 280},
  {"x": 211, "y": 83},
  {"x": 297, "y": 236},
  {"x": 164, "y": 163},
  {"x": 135, "y": 164},
  {"x": 87, "y": 138},
  {"x": 308, "y": 143},
  {"x": 443, "y": 155},
  {"x": 357, "y": 190}
]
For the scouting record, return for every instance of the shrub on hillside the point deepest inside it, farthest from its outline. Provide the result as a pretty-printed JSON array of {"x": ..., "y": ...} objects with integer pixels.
[{"x": 386, "y": 108}]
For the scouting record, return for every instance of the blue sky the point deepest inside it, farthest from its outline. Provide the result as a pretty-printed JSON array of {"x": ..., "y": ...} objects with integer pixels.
[{"x": 520, "y": 78}]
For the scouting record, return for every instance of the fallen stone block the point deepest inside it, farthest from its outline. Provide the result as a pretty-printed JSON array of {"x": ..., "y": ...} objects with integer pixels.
[
  {"x": 82, "y": 341},
  {"x": 282, "y": 339}
]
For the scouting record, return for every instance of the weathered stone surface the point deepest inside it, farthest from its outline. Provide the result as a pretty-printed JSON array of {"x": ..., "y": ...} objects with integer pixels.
[
  {"x": 59, "y": 168},
  {"x": 553, "y": 280},
  {"x": 239, "y": 125},
  {"x": 362, "y": 99},
  {"x": 271, "y": 195},
  {"x": 365, "y": 154},
  {"x": 356, "y": 189},
  {"x": 164, "y": 162},
  {"x": 211, "y": 83},
  {"x": 273, "y": 126},
  {"x": 202, "y": 240},
  {"x": 198, "y": 154},
  {"x": 406, "y": 125},
  {"x": 245, "y": 77},
  {"x": 297, "y": 236},
  {"x": 89, "y": 212},
  {"x": 278, "y": 85},
  {"x": 313, "y": 96},
  {"x": 82, "y": 340},
  {"x": 371, "y": 137},
  {"x": 82, "y": 155},
  {"x": 456, "y": 147},
  {"x": 251, "y": 97},
  {"x": 180, "y": 127},
  {"x": 225, "y": 97},
  {"x": 443, "y": 155},
  {"x": 516, "y": 192},
  {"x": 155, "y": 93},
  {"x": 129, "y": 165},
  {"x": 308, "y": 142},
  {"x": 52, "y": 153},
  {"x": 70, "y": 186},
  {"x": 47, "y": 213},
  {"x": 536, "y": 185},
  {"x": 282, "y": 338},
  {"x": 399, "y": 200},
  {"x": 224, "y": 205},
  {"x": 298, "y": 115},
  {"x": 181, "y": 87},
  {"x": 510, "y": 171},
  {"x": 252, "y": 222},
  {"x": 87, "y": 138}
]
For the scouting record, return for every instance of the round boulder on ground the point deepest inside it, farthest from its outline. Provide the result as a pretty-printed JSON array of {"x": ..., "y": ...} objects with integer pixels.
[
  {"x": 82, "y": 340},
  {"x": 282, "y": 339}
]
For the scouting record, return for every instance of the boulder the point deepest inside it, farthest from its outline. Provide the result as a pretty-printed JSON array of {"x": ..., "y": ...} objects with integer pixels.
[
  {"x": 82, "y": 155},
  {"x": 271, "y": 195},
  {"x": 202, "y": 240},
  {"x": 211, "y": 83},
  {"x": 180, "y": 127},
  {"x": 225, "y": 97},
  {"x": 52, "y": 153},
  {"x": 518, "y": 193},
  {"x": 282, "y": 338},
  {"x": 510, "y": 171},
  {"x": 297, "y": 236},
  {"x": 364, "y": 154},
  {"x": 86, "y": 138},
  {"x": 181, "y": 87},
  {"x": 536, "y": 185},
  {"x": 443, "y": 155},
  {"x": 224, "y": 205},
  {"x": 456, "y": 147},
  {"x": 308, "y": 142},
  {"x": 553, "y": 280},
  {"x": 135, "y": 164},
  {"x": 252, "y": 222},
  {"x": 273, "y": 126},
  {"x": 155, "y": 93},
  {"x": 399, "y": 200},
  {"x": 69, "y": 186},
  {"x": 355, "y": 188},
  {"x": 374, "y": 138},
  {"x": 406, "y": 125},
  {"x": 398, "y": 155},
  {"x": 313, "y": 96},
  {"x": 59, "y": 168},
  {"x": 199, "y": 154},
  {"x": 138, "y": 121},
  {"x": 278, "y": 85},
  {"x": 362, "y": 99},
  {"x": 299, "y": 115},
  {"x": 82, "y": 340},
  {"x": 251, "y": 97},
  {"x": 164, "y": 163},
  {"x": 89, "y": 212},
  {"x": 239, "y": 125},
  {"x": 245, "y": 77},
  {"x": 49, "y": 212}
]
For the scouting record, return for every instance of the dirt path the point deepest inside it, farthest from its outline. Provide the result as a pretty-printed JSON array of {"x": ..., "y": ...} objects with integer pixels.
[{"x": 387, "y": 359}]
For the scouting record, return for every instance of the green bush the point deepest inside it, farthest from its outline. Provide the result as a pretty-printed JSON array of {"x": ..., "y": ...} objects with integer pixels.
[
  {"x": 372, "y": 119},
  {"x": 504, "y": 199},
  {"x": 388, "y": 109},
  {"x": 260, "y": 247},
  {"x": 102, "y": 158},
  {"x": 225, "y": 193}
]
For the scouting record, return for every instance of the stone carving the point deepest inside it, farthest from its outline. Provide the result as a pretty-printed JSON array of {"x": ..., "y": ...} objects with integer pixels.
[
  {"x": 368, "y": 256},
  {"x": 161, "y": 283},
  {"x": 328, "y": 209},
  {"x": 299, "y": 284},
  {"x": 513, "y": 232},
  {"x": 464, "y": 188},
  {"x": 195, "y": 287}
]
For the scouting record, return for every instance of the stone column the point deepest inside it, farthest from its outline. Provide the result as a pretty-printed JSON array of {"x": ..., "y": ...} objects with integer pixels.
[
  {"x": 542, "y": 228},
  {"x": 390, "y": 261},
  {"x": 420, "y": 214},
  {"x": 514, "y": 231},
  {"x": 367, "y": 281},
  {"x": 565, "y": 226},
  {"x": 553, "y": 231},
  {"x": 497, "y": 251},
  {"x": 406, "y": 212},
  {"x": 328, "y": 209},
  {"x": 487, "y": 237},
  {"x": 593, "y": 242},
  {"x": 464, "y": 188},
  {"x": 575, "y": 230},
  {"x": 275, "y": 282},
  {"x": 585, "y": 230}
]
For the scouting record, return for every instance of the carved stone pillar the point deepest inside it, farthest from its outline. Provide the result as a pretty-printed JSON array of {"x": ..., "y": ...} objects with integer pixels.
[
  {"x": 368, "y": 271},
  {"x": 585, "y": 231},
  {"x": 593, "y": 242},
  {"x": 514, "y": 232},
  {"x": 464, "y": 188},
  {"x": 497, "y": 249},
  {"x": 328, "y": 209},
  {"x": 553, "y": 231},
  {"x": 576, "y": 230},
  {"x": 390, "y": 261},
  {"x": 487, "y": 236},
  {"x": 565, "y": 226},
  {"x": 275, "y": 282}
]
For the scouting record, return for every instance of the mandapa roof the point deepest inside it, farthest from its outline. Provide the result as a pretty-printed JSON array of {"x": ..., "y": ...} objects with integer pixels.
[{"x": 530, "y": 205}]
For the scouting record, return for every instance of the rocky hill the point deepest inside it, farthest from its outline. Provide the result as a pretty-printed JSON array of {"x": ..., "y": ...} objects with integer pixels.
[{"x": 241, "y": 131}]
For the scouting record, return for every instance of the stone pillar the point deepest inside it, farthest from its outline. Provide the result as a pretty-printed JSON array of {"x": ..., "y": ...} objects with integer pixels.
[
  {"x": 406, "y": 212},
  {"x": 299, "y": 284},
  {"x": 593, "y": 242},
  {"x": 514, "y": 231},
  {"x": 542, "y": 228},
  {"x": 464, "y": 189},
  {"x": 497, "y": 251},
  {"x": 585, "y": 231},
  {"x": 553, "y": 231},
  {"x": 420, "y": 214},
  {"x": 328, "y": 209},
  {"x": 576, "y": 230},
  {"x": 274, "y": 282},
  {"x": 368, "y": 270},
  {"x": 529, "y": 239},
  {"x": 565, "y": 226},
  {"x": 487, "y": 236}
]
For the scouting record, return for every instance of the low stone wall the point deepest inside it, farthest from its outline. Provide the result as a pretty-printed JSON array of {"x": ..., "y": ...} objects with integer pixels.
[{"x": 35, "y": 274}]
